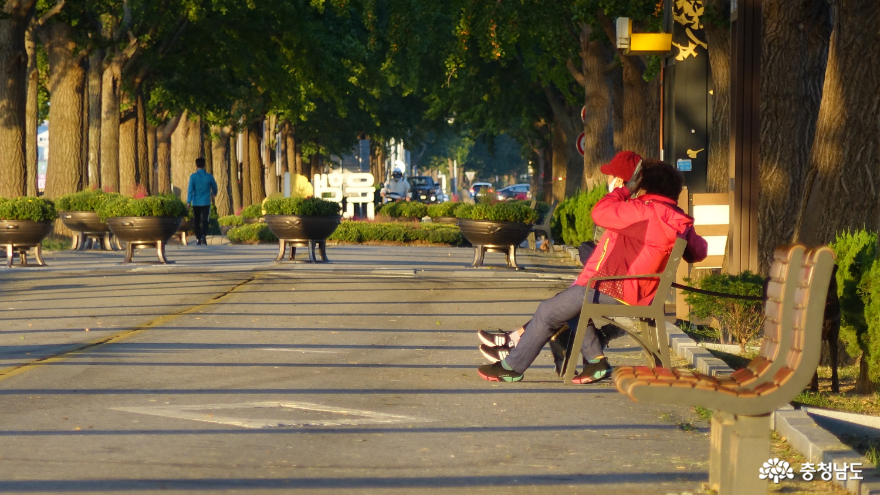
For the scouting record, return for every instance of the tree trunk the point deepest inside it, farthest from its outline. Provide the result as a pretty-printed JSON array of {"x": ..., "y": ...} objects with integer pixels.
[
  {"x": 219, "y": 155},
  {"x": 599, "y": 129},
  {"x": 559, "y": 163},
  {"x": 128, "y": 165},
  {"x": 288, "y": 145},
  {"x": 246, "y": 197},
  {"x": 841, "y": 184},
  {"x": 864, "y": 385},
  {"x": 208, "y": 149},
  {"x": 110, "y": 123},
  {"x": 151, "y": 157},
  {"x": 234, "y": 184},
  {"x": 13, "y": 96},
  {"x": 164, "y": 151},
  {"x": 95, "y": 97},
  {"x": 718, "y": 41},
  {"x": 66, "y": 84},
  {"x": 256, "y": 165},
  {"x": 270, "y": 177},
  {"x": 84, "y": 128},
  {"x": 143, "y": 161},
  {"x": 33, "y": 111},
  {"x": 186, "y": 146},
  {"x": 795, "y": 53}
]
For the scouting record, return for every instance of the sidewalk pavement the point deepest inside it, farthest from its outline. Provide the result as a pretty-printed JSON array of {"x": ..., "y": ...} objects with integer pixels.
[{"x": 225, "y": 371}]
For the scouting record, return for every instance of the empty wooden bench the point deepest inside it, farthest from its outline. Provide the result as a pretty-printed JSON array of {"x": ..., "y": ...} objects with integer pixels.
[
  {"x": 649, "y": 324},
  {"x": 742, "y": 403}
]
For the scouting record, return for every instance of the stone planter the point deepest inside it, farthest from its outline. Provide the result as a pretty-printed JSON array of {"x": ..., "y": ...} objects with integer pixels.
[
  {"x": 89, "y": 230},
  {"x": 302, "y": 231},
  {"x": 18, "y": 236},
  {"x": 452, "y": 220},
  {"x": 144, "y": 232},
  {"x": 491, "y": 236}
]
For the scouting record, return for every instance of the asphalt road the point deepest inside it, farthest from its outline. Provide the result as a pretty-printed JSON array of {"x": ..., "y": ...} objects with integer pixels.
[{"x": 225, "y": 373}]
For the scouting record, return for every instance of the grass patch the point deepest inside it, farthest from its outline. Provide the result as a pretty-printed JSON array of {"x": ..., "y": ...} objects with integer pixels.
[
  {"x": 700, "y": 333},
  {"x": 781, "y": 449},
  {"x": 56, "y": 243}
]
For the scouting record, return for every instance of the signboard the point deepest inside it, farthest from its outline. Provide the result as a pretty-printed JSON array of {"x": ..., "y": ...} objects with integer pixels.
[
  {"x": 684, "y": 165},
  {"x": 354, "y": 188},
  {"x": 581, "y": 143},
  {"x": 470, "y": 176}
]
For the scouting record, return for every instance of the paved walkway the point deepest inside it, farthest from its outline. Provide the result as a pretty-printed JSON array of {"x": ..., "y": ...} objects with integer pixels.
[{"x": 225, "y": 372}]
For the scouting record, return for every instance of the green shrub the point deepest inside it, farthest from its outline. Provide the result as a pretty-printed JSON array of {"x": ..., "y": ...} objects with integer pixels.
[
  {"x": 251, "y": 234},
  {"x": 869, "y": 340},
  {"x": 573, "y": 220},
  {"x": 88, "y": 200},
  {"x": 444, "y": 209},
  {"x": 151, "y": 206},
  {"x": 27, "y": 208},
  {"x": 302, "y": 206},
  {"x": 510, "y": 211},
  {"x": 252, "y": 211},
  {"x": 231, "y": 220},
  {"x": 856, "y": 253},
  {"x": 739, "y": 319},
  {"x": 404, "y": 209},
  {"x": 357, "y": 232}
]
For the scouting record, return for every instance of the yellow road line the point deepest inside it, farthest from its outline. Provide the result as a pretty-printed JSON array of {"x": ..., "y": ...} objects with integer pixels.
[{"x": 118, "y": 337}]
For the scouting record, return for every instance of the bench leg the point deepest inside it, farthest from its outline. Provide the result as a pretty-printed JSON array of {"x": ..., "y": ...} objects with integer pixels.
[
  {"x": 739, "y": 447},
  {"x": 569, "y": 365}
]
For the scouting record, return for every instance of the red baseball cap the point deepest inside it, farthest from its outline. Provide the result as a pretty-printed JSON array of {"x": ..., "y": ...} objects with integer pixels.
[{"x": 622, "y": 165}]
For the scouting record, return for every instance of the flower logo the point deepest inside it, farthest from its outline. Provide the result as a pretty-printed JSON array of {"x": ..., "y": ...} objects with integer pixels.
[{"x": 776, "y": 470}]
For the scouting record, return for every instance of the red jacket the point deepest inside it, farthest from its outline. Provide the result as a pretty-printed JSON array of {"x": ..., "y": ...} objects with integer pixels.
[{"x": 638, "y": 239}]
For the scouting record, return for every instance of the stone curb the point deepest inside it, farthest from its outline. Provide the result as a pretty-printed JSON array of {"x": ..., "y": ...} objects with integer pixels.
[{"x": 799, "y": 429}]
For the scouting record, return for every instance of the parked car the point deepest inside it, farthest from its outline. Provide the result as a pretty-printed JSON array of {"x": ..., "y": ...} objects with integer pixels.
[
  {"x": 425, "y": 190},
  {"x": 516, "y": 191},
  {"x": 479, "y": 189}
]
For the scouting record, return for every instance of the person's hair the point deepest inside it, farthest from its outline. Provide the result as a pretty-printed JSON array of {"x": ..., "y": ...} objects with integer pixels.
[
  {"x": 200, "y": 163},
  {"x": 661, "y": 178}
]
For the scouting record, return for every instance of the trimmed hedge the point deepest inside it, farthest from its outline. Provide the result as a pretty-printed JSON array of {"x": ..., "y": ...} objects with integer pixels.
[
  {"x": 403, "y": 209},
  {"x": 231, "y": 221},
  {"x": 27, "y": 208},
  {"x": 252, "y": 211},
  {"x": 251, "y": 234},
  {"x": 573, "y": 220},
  {"x": 88, "y": 200},
  {"x": 357, "y": 232},
  {"x": 739, "y": 319},
  {"x": 508, "y": 211},
  {"x": 446, "y": 209},
  {"x": 301, "y": 206},
  {"x": 151, "y": 206}
]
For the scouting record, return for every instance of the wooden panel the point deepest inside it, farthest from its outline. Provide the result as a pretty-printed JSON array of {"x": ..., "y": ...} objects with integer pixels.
[
  {"x": 711, "y": 199},
  {"x": 705, "y": 230},
  {"x": 710, "y": 261}
]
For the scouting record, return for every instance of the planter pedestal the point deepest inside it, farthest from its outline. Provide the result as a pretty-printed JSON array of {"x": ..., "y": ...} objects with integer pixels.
[
  {"x": 489, "y": 236},
  {"x": 159, "y": 245},
  {"x": 22, "y": 250},
  {"x": 88, "y": 231},
  {"x": 295, "y": 243},
  {"x": 90, "y": 240}
]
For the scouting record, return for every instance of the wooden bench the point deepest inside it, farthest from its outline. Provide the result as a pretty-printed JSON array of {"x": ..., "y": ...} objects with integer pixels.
[
  {"x": 649, "y": 329},
  {"x": 543, "y": 227},
  {"x": 743, "y": 402}
]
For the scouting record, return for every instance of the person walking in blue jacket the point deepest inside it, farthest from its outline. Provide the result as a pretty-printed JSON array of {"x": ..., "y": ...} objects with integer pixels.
[{"x": 201, "y": 191}]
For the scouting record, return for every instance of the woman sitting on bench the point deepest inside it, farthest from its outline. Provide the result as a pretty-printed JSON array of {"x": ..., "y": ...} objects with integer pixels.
[{"x": 640, "y": 232}]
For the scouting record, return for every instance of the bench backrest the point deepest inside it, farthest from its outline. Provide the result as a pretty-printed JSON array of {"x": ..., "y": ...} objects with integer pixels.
[{"x": 785, "y": 271}]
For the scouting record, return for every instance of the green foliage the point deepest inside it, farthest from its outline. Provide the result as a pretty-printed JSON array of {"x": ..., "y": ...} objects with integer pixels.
[
  {"x": 573, "y": 220},
  {"x": 231, "y": 220},
  {"x": 27, "y": 208},
  {"x": 856, "y": 252},
  {"x": 358, "y": 232},
  {"x": 869, "y": 339},
  {"x": 301, "y": 206},
  {"x": 252, "y": 211},
  {"x": 508, "y": 211},
  {"x": 446, "y": 209},
  {"x": 88, "y": 200},
  {"x": 253, "y": 233},
  {"x": 738, "y": 318},
  {"x": 151, "y": 206},
  {"x": 404, "y": 209}
]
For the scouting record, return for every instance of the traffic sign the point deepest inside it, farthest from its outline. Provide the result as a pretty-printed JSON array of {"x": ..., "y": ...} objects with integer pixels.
[
  {"x": 582, "y": 142},
  {"x": 470, "y": 176},
  {"x": 584, "y": 114}
]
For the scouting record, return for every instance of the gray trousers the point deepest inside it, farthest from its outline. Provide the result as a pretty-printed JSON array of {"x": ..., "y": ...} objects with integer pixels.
[{"x": 551, "y": 315}]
